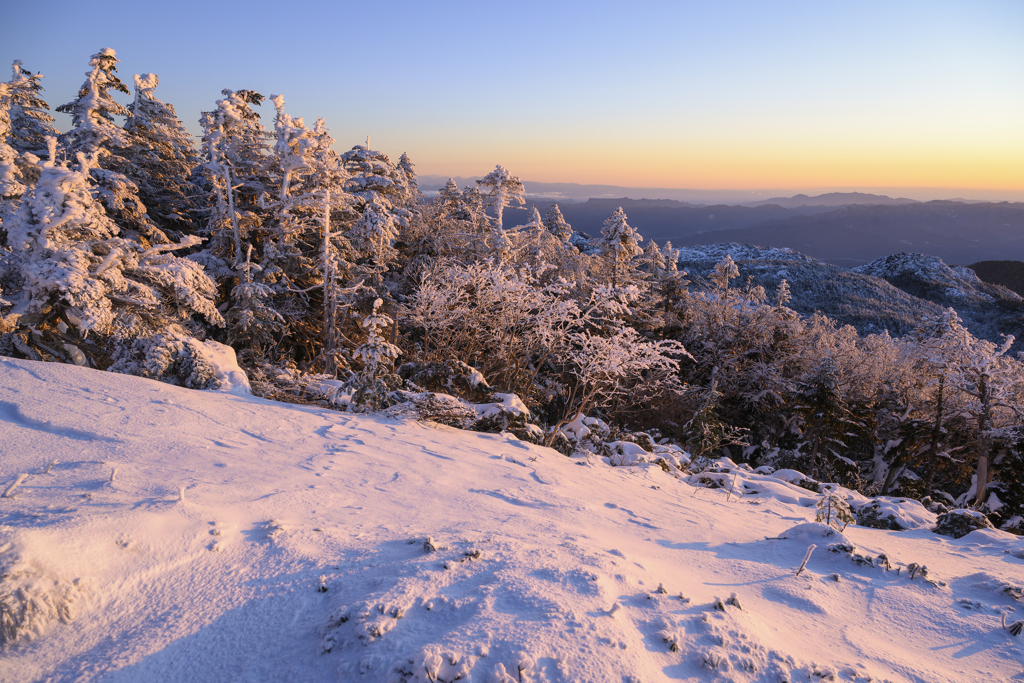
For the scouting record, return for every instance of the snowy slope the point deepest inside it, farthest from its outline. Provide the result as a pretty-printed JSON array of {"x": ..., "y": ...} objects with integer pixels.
[{"x": 244, "y": 540}]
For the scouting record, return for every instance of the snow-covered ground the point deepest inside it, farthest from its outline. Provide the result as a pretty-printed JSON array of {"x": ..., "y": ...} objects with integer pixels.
[{"x": 163, "y": 534}]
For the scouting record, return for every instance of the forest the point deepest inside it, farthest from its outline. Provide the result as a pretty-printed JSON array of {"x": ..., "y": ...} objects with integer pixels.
[{"x": 125, "y": 244}]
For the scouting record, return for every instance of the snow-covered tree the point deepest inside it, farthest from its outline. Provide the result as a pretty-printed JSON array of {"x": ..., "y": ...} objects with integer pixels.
[
  {"x": 374, "y": 179},
  {"x": 554, "y": 221},
  {"x": 372, "y": 384},
  {"x": 95, "y": 133},
  {"x": 92, "y": 113},
  {"x": 500, "y": 189},
  {"x": 160, "y": 157},
  {"x": 78, "y": 276},
  {"x": 11, "y": 185},
  {"x": 619, "y": 242},
  {"x": 236, "y": 171},
  {"x": 724, "y": 272},
  {"x": 410, "y": 185},
  {"x": 987, "y": 376},
  {"x": 30, "y": 119}
]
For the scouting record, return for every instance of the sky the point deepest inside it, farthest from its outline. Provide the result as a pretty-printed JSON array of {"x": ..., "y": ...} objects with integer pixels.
[{"x": 926, "y": 97}]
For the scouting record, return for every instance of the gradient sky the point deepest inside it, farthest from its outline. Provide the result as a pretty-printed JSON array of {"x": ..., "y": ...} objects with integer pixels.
[{"x": 729, "y": 95}]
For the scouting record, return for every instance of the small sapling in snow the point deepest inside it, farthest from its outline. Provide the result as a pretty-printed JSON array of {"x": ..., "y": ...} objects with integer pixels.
[{"x": 834, "y": 511}]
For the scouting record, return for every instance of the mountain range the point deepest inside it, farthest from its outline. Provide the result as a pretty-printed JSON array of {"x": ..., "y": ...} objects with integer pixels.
[{"x": 893, "y": 293}]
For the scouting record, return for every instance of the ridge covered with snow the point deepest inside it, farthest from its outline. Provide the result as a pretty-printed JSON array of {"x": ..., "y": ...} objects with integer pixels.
[{"x": 150, "y": 532}]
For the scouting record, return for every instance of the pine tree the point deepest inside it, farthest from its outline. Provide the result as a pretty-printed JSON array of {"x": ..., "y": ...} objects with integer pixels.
[
  {"x": 374, "y": 179},
  {"x": 95, "y": 134},
  {"x": 724, "y": 272},
  {"x": 236, "y": 171},
  {"x": 619, "y": 242},
  {"x": 826, "y": 421},
  {"x": 554, "y": 221},
  {"x": 30, "y": 120},
  {"x": 161, "y": 158},
  {"x": 449, "y": 200},
  {"x": 372, "y": 384},
  {"x": 93, "y": 111},
  {"x": 410, "y": 184},
  {"x": 501, "y": 189},
  {"x": 78, "y": 276},
  {"x": 11, "y": 185}
]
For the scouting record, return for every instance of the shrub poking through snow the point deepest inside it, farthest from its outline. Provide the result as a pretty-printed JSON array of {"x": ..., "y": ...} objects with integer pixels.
[
  {"x": 959, "y": 523},
  {"x": 834, "y": 511}
]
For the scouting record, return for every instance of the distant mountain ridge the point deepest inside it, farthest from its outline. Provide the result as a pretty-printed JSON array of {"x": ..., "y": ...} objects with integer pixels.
[
  {"x": 834, "y": 199},
  {"x": 893, "y": 293}
]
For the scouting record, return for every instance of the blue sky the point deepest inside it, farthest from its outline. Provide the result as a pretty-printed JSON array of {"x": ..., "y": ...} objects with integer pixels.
[{"x": 747, "y": 95}]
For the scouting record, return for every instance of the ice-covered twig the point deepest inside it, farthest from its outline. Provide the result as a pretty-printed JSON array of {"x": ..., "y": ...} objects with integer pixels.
[
  {"x": 49, "y": 467},
  {"x": 113, "y": 475},
  {"x": 732, "y": 487},
  {"x": 810, "y": 549},
  {"x": 17, "y": 482}
]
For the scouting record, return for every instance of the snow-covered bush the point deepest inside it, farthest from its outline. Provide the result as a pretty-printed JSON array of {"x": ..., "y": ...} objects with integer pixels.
[
  {"x": 959, "y": 523},
  {"x": 172, "y": 356},
  {"x": 449, "y": 376}
]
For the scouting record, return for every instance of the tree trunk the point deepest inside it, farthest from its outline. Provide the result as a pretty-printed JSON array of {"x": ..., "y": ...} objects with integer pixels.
[{"x": 984, "y": 442}]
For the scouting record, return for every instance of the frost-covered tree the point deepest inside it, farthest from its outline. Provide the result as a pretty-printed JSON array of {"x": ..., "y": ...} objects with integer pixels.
[
  {"x": 983, "y": 373},
  {"x": 374, "y": 179},
  {"x": 500, "y": 189},
  {"x": 619, "y": 242},
  {"x": 724, "y": 272},
  {"x": 30, "y": 120},
  {"x": 252, "y": 320},
  {"x": 92, "y": 113},
  {"x": 372, "y": 384},
  {"x": 95, "y": 133},
  {"x": 601, "y": 368},
  {"x": 374, "y": 234},
  {"x": 410, "y": 185},
  {"x": 160, "y": 158},
  {"x": 78, "y": 277},
  {"x": 235, "y": 171},
  {"x": 11, "y": 185},
  {"x": 554, "y": 221}
]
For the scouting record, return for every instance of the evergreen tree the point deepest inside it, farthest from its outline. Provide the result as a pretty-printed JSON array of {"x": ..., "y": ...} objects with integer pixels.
[
  {"x": 372, "y": 384},
  {"x": 236, "y": 172},
  {"x": 374, "y": 179},
  {"x": 78, "y": 276},
  {"x": 30, "y": 120},
  {"x": 409, "y": 182},
  {"x": 620, "y": 242},
  {"x": 11, "y": 185},
  {"x": 161, "y": 158},
  {"x": 95, "y": 134},
  {"x": 554, "y": 221},
  {"x": 501, "y": 189},
  {"x": 93, "y": 111},
  {"x": 826, "y": 422}
]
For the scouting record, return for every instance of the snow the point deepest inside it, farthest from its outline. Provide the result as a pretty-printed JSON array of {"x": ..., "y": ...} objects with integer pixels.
[
  {"x": 169, "y": 534},
  {"x": 232, "y": 378}
]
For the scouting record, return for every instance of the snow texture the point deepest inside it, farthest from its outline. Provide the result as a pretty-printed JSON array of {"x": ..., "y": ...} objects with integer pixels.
[{"x": 169, "y": 534}]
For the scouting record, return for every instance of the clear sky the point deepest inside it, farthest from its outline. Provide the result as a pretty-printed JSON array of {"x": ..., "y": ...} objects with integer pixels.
[{"x": 728, "y": 95}]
